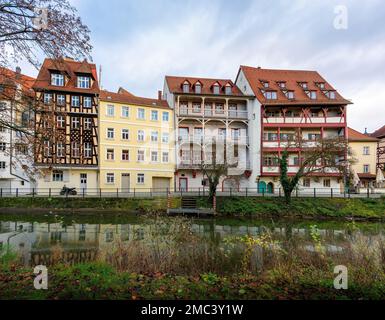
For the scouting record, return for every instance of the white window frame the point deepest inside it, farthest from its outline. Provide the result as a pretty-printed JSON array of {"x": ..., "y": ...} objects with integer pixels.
[
  {"x": 83, "y": 82},
  {"x": 87, "y": 123},
  {"x": 141, "y": 112},
  {"x": 60, "y": 150},
  {"x": 110, "y": 111},
  {"x": 75, "y": 101},
  {"x": 154, "y": 136},
  {"x": 165, "y": 153},
  {"x": 125, "y": 112},
  {"x": 60, "y": 99},
  {"x": 165, "y": 116},
  {"x": 141, "y": 135},
  {"x": 154, "y": 156},
  {"x": 75, "y": 149},
  {"x": 125, "y": 134},
  {"x": 57, "y": 79},
  {"x": 58, "y": 176},
  {"x": 165, "y": 137},
  {"x": 110, "y": 154},
  {"x": 60, "y": 121},
  {"x": 154, "y": 115},
  {"x": 128, "y": 155},
  {"x": 110, "y": 133},
  {"x": 110, "y": 178},
  {"x": 75, "y": 122},
  {"x": 141, "y": 155},
  {"x": 140, "y": 178},
  {"x": 87, "y": 105},
  {"x": 87, "y": 150}
]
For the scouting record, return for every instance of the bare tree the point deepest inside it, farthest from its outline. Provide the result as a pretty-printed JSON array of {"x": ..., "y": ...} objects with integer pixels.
[
  {"x": 51, "y": 28},
  {"x": 29, "y": 31},
  {"x": 328, "y": 155},
  {"x": 217, "y": 168}
]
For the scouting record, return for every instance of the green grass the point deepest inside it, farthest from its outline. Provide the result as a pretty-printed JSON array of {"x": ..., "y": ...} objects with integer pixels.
[
  {"x": 302, "y": 207},
  {"x": 112, "y": 204},
  {"x": 226, "y": 206},
  {"x": 100, "y": 281}
]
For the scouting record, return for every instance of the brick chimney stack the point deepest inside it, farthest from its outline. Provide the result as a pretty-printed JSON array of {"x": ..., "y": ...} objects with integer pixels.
[{"x": 160, "y": 95}]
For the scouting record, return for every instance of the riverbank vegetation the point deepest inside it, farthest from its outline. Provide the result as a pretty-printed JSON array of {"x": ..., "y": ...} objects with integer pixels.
[
  {"x": 314, "y": 208},
  {"x": 170, "y": 261}
]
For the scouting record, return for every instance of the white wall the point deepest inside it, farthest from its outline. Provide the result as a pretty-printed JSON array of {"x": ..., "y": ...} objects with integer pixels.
[{"x": 254, "y": 111}]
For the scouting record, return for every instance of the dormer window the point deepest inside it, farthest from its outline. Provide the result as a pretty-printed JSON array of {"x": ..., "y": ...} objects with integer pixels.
[
  {"x": 303, "y": 85},
  {"x": 57, "y": 79},
  {"x": 282, "y": 84},
  {"x": 84, "y": 82},
  {"x": 270, "y": 95},
  {"x": 265, "y": 84},
  {"x": 216, "y": 88},
  {"x": 312, "y": 94},
  {"x": 321, "y": 85},
  {"x": 228, "y": 89},
  {"x": 186, "y": 87},
  {"x": 289, "y": 95},
  {"x": 330, "y": 94},
  {"x": 198, "y": 88}
]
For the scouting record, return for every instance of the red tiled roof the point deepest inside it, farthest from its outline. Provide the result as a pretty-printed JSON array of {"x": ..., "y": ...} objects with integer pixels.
[
  {"x": 354, "y": 135},
  {"x": 175, "y": 85},
  {"x": 71, "y": 68},
  {"x": 291, "y": 78},
  {"x": 8, "y": 78},
  {"x": 124, "y": 91},
  {"x": 366, "y": 175},
  {"x": 379, "y": 133},
  {"x": 130, "y": 99}
]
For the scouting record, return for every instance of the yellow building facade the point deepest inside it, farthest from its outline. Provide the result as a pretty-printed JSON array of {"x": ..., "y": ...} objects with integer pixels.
[
  {"x": 136, "y": 143},
  {"x": 363, "y": 152}
]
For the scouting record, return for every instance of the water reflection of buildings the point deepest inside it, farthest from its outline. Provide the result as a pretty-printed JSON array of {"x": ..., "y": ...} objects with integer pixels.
[{"x": 80, "y": 242}]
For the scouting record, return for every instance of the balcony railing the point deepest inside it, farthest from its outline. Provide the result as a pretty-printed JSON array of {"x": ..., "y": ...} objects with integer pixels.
[
  {"x": 197, "y": 164},
  {"x": 299, "y": 120},
  {"x": 210, "y": 113},
  {"x": 201, "y": 139}
]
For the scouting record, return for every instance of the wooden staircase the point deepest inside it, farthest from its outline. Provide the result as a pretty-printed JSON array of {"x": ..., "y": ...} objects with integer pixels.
[{"x": 189, "y": 202}]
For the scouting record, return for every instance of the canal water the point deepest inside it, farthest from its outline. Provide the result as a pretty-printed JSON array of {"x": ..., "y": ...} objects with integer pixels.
[{"x": 81, "y": 237}]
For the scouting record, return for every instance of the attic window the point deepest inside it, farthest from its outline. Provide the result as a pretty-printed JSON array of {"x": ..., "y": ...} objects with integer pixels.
[
  {"x": 289, "y": 95},
  {"x": 330, "y": 94},
  {"x": 216, "y": 88},
  {"x": 198, "y": 88},
  {"x": 282, "y": 84},
  {"x": 270, "y": 95},
  {"x": 303, "y": 85},
  {"x": 321, "y": 85},
  {"x": 228, "y": 88},
  {"x": 265, "y": 84},
  {"x": 57, "y": 79},
  {"x": 186, "y": 87},
  {"x": 312, "y": 94},
  {"x": 84, "y": 82}
]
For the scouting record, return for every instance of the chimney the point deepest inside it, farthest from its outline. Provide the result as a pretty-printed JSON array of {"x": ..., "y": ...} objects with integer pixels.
[
  {"x": 160, "y": 95},
  {"x": 366, "y": 131},
  {"x": 18, "y": 72}
]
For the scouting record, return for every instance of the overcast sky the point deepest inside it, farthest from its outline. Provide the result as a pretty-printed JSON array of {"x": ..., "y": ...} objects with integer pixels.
[{"x": 139, "y": 42}]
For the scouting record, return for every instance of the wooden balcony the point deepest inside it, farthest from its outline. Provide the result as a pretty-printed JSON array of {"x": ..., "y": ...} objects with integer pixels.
[{"x": 212, "y": 113}]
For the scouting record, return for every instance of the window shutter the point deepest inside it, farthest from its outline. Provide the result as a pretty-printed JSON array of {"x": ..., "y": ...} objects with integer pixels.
[{"x": 66, "y": 177}]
